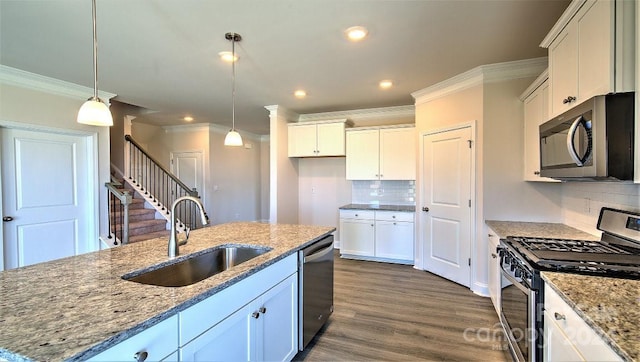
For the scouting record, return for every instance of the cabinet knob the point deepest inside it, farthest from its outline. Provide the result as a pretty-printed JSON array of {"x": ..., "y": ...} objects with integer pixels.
[
  {"x": 140, "y": 356},
  {"x": 425, "y": 209},
  {"x": 537, "y": 173},
  {"x": 7, "y": 219},
  {"x": 262, "y": 310},
  {"x": 356, "y": 215},
  {"x": 393, "y": 216},
  {"x": 255, "y": 315},
  {"x": 559, "y": 316},
  {"x": 494, "y": 256}
]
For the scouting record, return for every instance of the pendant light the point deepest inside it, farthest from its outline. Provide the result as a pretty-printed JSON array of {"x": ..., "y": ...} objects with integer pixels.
[
  {"x": 94, "y": 111},
  {"x": 233, "y": 138}
]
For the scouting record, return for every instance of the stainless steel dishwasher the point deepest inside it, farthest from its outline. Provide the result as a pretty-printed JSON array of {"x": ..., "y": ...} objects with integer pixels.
[{"x": 316, "y": 288}]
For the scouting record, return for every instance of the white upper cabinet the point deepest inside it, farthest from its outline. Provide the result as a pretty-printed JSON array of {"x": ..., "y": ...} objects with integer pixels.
[
  {"x": 318, "y": 139},
  {"x": 535, "y": 99},
  {"x": 591, "y": 52},
  {"x": 381, "y": 154}
]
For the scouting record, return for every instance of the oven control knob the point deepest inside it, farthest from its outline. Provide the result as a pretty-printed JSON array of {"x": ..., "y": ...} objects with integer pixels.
[
  {"x": 507, "y": 259},
  {"x": 518, "y": 273},
  {"x": 513, "y": 266}
]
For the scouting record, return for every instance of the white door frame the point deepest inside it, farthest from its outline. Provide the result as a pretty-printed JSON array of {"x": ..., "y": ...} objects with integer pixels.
[
  {"x": 92, "y": 163},
  {"x": 476, "y": 201}
]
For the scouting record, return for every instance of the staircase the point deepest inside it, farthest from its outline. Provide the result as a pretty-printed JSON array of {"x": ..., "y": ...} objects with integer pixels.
[{"x": 143, "y": 224}]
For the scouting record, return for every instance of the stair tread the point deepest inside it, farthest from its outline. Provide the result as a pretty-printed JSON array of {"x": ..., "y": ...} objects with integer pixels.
[{"x": 153, "y": 235}]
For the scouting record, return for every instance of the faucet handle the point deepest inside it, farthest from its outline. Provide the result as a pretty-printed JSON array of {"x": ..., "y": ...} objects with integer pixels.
[{"x": 187, "y": 230}]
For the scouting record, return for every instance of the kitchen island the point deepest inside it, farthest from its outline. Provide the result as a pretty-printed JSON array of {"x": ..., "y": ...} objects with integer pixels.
[{"x": 77, "y": 307}]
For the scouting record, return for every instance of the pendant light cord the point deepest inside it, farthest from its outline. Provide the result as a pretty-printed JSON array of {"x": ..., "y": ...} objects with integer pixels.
[
  {"x": 233, "y": 81},
  {"x": 95, "y": 53}
]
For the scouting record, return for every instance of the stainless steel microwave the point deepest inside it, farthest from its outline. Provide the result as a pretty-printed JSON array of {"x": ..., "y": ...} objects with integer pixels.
[{"x": 594, "y": 140}]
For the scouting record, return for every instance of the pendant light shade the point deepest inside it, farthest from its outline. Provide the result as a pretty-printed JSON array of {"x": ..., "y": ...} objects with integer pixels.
[
  {"x": 233, "y": 138},
  {"x": 94, "y": 112}
]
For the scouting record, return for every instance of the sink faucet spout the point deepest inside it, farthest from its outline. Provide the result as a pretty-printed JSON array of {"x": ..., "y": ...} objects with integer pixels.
[{"x": 173, "y": 239}]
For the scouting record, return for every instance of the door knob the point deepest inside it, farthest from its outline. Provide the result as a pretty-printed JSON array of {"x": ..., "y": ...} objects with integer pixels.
[
  {"x": 425, "y": 209},
  {"x": 7, "y": 218}
]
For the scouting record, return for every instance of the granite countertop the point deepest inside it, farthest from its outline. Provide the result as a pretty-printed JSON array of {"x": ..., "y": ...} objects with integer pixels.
[
  {"x": 376, "y": 207},
  {"x": 611, "y": 306},
  {"x": 539, "y": 229},
  {"x": 74, "y": 308}
]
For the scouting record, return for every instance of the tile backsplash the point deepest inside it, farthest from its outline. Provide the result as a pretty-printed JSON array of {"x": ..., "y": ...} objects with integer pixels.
[
  {"x": 383, "y": 192},
  {"x": 582, "y": 201}
]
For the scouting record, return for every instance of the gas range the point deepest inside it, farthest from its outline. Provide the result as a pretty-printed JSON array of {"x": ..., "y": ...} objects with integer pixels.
[{"x": 616, "y": 254}]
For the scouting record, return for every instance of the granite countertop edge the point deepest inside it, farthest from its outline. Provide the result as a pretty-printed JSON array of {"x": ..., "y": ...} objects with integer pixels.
[
  {"x": 300, "y": 235},
  {"x": 587, "y": 317},
  {"x": 379, "y": 207}
]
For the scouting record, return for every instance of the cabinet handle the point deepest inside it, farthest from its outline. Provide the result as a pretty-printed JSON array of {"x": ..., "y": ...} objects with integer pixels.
[
  {"x": 7, "y": 219},
  {"x": 425, "y": 209},
  {"x": 393, "y": 216},
  {"x": 490, "y": 235},
  {"x": 140, "y": 356},
  {"x": 494, "y": 255},
  {"x": 356, "y": 215},
  {"x": 537, "y": 173},
  {"x": 569, "y": 99},
  {"x": 262, "y": 310},
  {"x": 394, "y": 223},
  {"x": 559, "y": 316},
  {"x": 255, "y": 315},
  {"x": 371, "y": 225}
]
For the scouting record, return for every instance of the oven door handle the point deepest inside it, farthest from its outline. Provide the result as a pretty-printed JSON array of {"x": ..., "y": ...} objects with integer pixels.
[
  {"x": 516, "y": 282},
  {"x": 579, "y": 160}
]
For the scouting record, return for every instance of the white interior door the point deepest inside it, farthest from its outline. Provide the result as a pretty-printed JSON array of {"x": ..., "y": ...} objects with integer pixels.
[
  {"x": 188, "y": 167},
  {"x": 447, "y": 197},
  {"x": 46, "y": 196}
]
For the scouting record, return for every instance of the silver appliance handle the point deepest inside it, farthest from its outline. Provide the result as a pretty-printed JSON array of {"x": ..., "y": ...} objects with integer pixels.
[
  {"x": 515, "y": 282},
  {"x": 572, "y": 150},
  {"x": 318, "y": 254}
]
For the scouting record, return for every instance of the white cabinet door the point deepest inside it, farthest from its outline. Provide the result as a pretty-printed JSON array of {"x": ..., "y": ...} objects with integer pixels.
[
  {"x": 535, "y": 113},
  {"x": 158, "y": 342},
  {"x": 563, "y": 71},
  {"x": 394, "y": 240},
  {"x": 357, "y": 237},
  {"x": 330, "y": 139},
  {"x": 302, "y": 140},
  {"x": 557, "y": 346},
  {"x": 397, "y": 154},
  {"x": 363, "y": 148},
  {"x": 494, "y": 270},
  {"x": 229, "y": 340},
  {"x": 595, "y": 49},
  {"x": 277, "y": 325}
]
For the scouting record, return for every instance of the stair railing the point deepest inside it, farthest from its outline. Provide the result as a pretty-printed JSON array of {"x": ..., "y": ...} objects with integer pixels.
[
  {"x": 118, "y": 201},
  {"x": 159, "y": 185}
]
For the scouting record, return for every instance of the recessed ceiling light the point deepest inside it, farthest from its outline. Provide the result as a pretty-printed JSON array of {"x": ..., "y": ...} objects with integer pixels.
[
  {"x": 385, "y": 84},
  {"x": 228, "y": 56},
  {"x": 300, "y": 93},
  {"x": 188, "y": 118},
  {"x": 356, "y": 33}
]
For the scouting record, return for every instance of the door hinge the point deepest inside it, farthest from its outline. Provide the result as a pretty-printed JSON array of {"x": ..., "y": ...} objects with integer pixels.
[
  {"x": 470, "y": 142},
  {"x": 469, "y": 261},
  {"x": 469, "y": 202}
]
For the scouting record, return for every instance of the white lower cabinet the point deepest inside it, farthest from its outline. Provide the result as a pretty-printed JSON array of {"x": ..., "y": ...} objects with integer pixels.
[
  {"x": 377, "y": 235},
  {"x": 495, "y": 275},
  {"x": 263, "y": 330},
  {"x": 255, "y": 319},
  {"x": 567, "y": 337},
  {"x": 157, "y": 343}
]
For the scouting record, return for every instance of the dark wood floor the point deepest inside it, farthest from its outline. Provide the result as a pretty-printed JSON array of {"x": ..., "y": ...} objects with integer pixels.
[{"x": 388, "y": 312}]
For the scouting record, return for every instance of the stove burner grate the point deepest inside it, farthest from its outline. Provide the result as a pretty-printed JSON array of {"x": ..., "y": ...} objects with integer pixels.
[{"x": 579, "y": 246}]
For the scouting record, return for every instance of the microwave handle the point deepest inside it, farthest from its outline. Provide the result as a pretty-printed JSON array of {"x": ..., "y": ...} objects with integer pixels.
[{"x": 572, "y": 150}]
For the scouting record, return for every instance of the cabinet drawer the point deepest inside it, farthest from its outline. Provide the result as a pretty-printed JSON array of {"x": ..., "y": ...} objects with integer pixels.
[
  {"x": 207, "y": 313},
  {"x": 577, "y": 331},
  {"x": 158, "y": 342},
  {"x": 394, "y": 216},
  {"x": 357, "y": 214}
]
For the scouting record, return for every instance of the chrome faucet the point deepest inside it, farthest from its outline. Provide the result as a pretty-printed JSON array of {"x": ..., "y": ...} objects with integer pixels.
[{"x": 173, "y": 239}]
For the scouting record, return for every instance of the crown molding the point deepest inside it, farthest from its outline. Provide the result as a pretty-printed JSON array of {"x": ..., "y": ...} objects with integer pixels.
[
  {"x": 282, "y": 112},
  {"x": 362, "y": 114},
  {"x": 562, "y": 22},
  {"x": 535, "y": 85},
  {"x": 20, "y": 78},
  {"x": 491, "y": 73}
]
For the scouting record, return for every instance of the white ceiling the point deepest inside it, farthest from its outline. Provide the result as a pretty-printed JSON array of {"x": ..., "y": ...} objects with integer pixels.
[{"x": 162, "y": 55}]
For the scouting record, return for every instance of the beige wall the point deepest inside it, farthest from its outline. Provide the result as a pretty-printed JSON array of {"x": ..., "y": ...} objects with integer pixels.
[
  {"x": 36, "y": 110},
  {"x": 232, "y": 175}
]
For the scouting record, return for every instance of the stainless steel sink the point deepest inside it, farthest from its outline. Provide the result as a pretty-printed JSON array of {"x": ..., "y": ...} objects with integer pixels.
[{"x": 197, "y": 268}]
